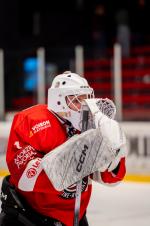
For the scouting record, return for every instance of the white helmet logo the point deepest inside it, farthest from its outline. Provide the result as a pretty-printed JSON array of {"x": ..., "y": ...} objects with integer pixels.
[{"x": 57, "y": 84}]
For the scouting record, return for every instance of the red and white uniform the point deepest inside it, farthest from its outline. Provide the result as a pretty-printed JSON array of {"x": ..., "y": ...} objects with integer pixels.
[{"x": 35, "y": 132}]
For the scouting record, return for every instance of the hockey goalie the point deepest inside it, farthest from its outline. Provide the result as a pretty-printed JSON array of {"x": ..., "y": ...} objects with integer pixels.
[{"x": 52, "y": 147}]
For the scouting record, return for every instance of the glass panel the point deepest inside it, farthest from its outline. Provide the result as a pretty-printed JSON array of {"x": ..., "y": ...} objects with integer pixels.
[
  {"x": 21, "y": 77},
  {"x": 20, "y": 71}
]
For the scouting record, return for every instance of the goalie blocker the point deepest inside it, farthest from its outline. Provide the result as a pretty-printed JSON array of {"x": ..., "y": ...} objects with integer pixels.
[{"x": 82, "y": 155}]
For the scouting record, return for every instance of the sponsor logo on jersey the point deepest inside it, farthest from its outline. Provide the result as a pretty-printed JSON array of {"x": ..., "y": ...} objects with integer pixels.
[
  {"x": 25, "y": 155},
  {"x": 39, "y": 126},
  {"x": 32, "y": 171},
  {"x": 70, "y": 192},
  {"x": 17, "y": 145}
]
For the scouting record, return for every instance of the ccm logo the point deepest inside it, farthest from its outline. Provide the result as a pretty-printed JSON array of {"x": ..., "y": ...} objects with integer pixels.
[{"x": 82, "y": 158}]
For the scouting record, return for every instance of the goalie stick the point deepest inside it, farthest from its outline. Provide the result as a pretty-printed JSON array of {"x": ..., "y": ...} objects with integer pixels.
[{"x": 85, "y": 114}]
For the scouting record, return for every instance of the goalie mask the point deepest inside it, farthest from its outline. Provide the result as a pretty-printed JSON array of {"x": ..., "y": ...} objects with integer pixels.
[{"x": 63, "y": 86}]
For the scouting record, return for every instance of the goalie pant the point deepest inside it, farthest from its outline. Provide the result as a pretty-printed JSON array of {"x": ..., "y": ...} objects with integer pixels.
[{"x": 35, "y": 132}]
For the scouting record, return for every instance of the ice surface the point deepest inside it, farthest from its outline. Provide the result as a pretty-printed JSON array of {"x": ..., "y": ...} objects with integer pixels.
[{"x": 121, "y": 205}]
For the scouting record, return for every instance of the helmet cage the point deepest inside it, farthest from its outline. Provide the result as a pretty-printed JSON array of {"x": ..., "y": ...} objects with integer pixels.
[
  {"x": 63, "y": 86},
  {"x": 75, "y": 98}
]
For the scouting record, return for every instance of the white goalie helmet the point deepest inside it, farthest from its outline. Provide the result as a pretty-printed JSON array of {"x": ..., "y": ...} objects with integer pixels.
[{"x": 64, "y": 85}]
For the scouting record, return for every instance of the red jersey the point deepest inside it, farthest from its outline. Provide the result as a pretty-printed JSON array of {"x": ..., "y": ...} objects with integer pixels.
[{"x": 35, "y": 132}]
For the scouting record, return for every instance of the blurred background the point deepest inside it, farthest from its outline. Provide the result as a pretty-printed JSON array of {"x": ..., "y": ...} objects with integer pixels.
[{"x": 107, "y": 42}]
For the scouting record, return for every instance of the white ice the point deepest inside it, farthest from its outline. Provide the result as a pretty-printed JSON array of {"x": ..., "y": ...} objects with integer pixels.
[{"x": 126, "y": 204}]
